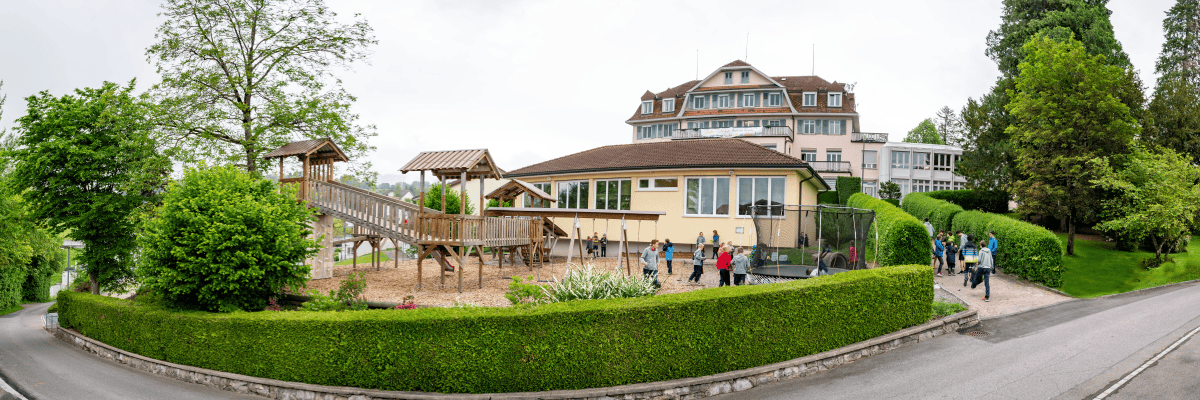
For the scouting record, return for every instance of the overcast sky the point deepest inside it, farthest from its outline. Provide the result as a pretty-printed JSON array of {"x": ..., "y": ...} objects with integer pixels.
[{"x": 536, "y": 80}]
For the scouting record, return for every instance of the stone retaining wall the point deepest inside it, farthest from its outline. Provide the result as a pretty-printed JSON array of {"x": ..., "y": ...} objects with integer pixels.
[{"x": 679, "y": 389}]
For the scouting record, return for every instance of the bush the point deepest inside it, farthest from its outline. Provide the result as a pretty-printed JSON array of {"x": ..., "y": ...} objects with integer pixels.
[
  {"x": 894, "y": 202},
  {"x": 224, "y": 240},
  {"x": 589, "y": 283},
  {"x": 902, "y": 238},
  {"x": 993, "y": 201},
  {"x": 942, "y": 309},
  {"x": 347, "y": 297},
  {"x": 940, "y": 212},
  {"x": 847, "y": 186},
  {"x": 827, "y": 197},
  {"x": 569, "y": 345},
  {"x": 1025, "y": 249}
]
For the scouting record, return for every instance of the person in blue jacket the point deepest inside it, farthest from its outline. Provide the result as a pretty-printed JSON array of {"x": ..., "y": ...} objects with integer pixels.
[
  {"x": 669, "y": 252},
  {"x": 993, "y": 246},
  {"x": 938, "y": 249},
  {"x": 716, "y": 243}
]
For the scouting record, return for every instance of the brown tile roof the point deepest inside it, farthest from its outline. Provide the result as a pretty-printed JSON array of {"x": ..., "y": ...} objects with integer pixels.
[
  {"x": 727, "y": 111},
  {"x": 325, "y": 148},
  {"x": 648, "y": 96},
  {"x": 767, "y": 86},
  {"x": 679, "y": 154},
  {"x": 736, "y": 63},
  {"x": 451, "y": 163},
  {"x": 797, "y": 99},
  {"x": 808, "y": 84}
]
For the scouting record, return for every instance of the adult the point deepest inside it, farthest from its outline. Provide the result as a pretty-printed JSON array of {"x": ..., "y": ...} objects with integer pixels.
[
  {"x": 716, "y": 240},
  {"x": 983, "y": 270},
  {"x": 928, "y": 227},
  {"x": 723, "y": 261},
  {"x": 604, "y": 245},
  {"x": 938, "y": 249},
  {"x": 741, "y": 265},
  {"x": 650, "y": 261},
  {"x": 993, "y": 246},
  {"x": 697, "y": 263},
  {"x": 669, "y": 253}
]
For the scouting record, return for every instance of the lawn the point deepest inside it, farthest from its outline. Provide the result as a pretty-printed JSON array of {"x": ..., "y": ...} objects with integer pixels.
[
  {"x": 1097, "y": 269},
  {"x": 365, "y": 259},
  {"x": 14, "y": 309}
]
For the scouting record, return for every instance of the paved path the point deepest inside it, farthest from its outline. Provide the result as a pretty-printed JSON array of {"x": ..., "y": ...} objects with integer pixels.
[
  {"x": 45, "y": 368},
  {"x": 1071, "y": 350}
]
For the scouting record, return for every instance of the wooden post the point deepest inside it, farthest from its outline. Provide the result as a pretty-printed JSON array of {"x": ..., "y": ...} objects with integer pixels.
[
  {"x": 417, "y": 232},
  {"x": 444, "y": 212},
  {"x": 479, "y": 249},
  {"x": 354, "y": 254},
  {"x": 462, "y": 227},
  {"x": 571, "y": 240},
  {"x": 625, "y": 245}
]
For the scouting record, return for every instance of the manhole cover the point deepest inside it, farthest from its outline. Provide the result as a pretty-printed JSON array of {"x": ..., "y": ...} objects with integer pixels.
[{"x": 976, "y": 334}]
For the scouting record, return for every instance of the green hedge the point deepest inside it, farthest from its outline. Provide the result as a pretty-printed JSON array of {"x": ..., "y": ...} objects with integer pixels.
[
  {"x": 827, "y": 197},
  {"x": 940, "y": 212},
  {"x": 993, "y": 201},
  {"x": 894, "y": 202},
  {"x": 847, "y": 186},
  {"x": 573, "y": 345},
  {"x": 1025, "y": 249},
  {"x": 902, "y": 238}
]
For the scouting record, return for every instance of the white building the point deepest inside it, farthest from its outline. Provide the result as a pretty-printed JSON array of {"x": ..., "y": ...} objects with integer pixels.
[{"x": 918, "y": 167}]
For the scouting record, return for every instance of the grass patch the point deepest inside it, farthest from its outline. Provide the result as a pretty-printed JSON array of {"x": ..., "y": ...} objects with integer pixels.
[
  {"x": 11, "y": 310},
  {"x": 1097, "y": 269},
  {"x": 942, "y": 309},
  {"x": 365, "y": 259}
]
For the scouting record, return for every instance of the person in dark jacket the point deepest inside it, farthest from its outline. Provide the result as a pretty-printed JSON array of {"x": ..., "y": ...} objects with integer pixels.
[
  {"x": 951, "y": 256},
  {"x": 968, "y": 253},
  {"x": 604, "y": 245}
]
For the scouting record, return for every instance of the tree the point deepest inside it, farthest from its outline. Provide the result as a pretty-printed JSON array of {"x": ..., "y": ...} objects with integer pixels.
[
  {"x": 87, "y": 162},
  {"x": 989, "y": 157},
  {"x": 243, "y": 77},
  {"x": 889, "y": 190},
  {"x": 433, "y": 199},
  {"x": 1176, "y": 116},
  {"x": 949, "y": 126},
  {"x": 224, "y": 240},
  {"x": 1180, "y": 56},
  {"x": 1159, "y": 198},
  {"x": 925, "y": 132},
  {"x": 1067, "y": 111}
]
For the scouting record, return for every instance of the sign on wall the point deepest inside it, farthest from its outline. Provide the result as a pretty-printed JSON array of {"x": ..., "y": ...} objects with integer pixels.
[{"x": 731, "y": 132}]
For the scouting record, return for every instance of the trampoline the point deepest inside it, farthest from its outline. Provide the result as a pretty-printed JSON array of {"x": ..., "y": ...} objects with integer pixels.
[{"x": 793, "y": 241}]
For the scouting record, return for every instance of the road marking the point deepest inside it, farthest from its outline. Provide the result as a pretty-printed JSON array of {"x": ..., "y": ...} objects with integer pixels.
[{"x": 1135, "y": 372}]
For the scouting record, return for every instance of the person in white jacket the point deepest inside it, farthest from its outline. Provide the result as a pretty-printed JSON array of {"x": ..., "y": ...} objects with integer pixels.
[{"x": 983, "y": 270}]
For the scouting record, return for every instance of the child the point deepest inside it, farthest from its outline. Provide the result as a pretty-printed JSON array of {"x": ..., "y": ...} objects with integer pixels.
[
  {"x": 716, "y": 243},
  {"x": 741, "y": 265},
  {"x": 669, "y": 251},
  {"x": 951, "y": 253},
  {"x": 938, "y": 249},
  {"x": 649, "y": 261},
  {"x": 587, "y": 242},
  {"x": 604, "y": 245},
  {"x": 821, "y": 267},
  {"x": 723, "y": 261},
  {"x": 697, "y": 263},
  {"x": 983, "y": 270},
  {"x": 970, "y": 256}
]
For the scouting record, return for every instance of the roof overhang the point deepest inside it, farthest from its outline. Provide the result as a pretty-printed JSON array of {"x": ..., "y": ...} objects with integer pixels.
[
  {"x": 450, "y": 164},
  {"x": 311, "y": 149},
  {"x": 573, "y": 212},
  {"x": 667, "y": 168},
  {"x": 515, "y": 188}
]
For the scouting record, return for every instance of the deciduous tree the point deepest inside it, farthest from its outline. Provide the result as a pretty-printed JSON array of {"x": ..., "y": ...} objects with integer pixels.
[
  {"x": 1159, "y": 198},
  {"x": 925, "y": 132}
]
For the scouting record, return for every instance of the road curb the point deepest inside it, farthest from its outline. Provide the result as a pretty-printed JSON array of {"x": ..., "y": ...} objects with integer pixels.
[{"x": 690, "y": 388}]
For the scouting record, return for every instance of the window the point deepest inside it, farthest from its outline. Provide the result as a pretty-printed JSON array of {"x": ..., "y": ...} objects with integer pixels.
[
  {"x": 920, "y": 186},
  {"x": 573, "y": 194},
  {"x": 920, "y": 160},
  {"x": 698, "y": 125},
  {"x": 744, "y": 123},
  {"x": 656, "y": 131},
  {"x": 613, "y": 194},
  {"x": 955, "y": 166},
  {"x": 773, "y": 99},
  {"x": 870, "y": 159},
  {"x": 837, "y": 127},
  {"x": 769, "y": 146},
  {"x": 728, "y": 78},
  {"x": 903, "y": 183},
  {"x": 941, "y": 185},
  {"x": 808, "y": 127},
  {"x": 647, "y": 107},
  {"x": 869, "y": 189},
  {"x": 668, "y": 105},
  {"x": 755, "y": 192},
  {"x": 810, "y": 99},
  {"x": 772, "y": 122},
  {"x": 960, "y": 185},
  {"x": 833, "y": 155},
  {"x": 832, "y": 182},
  {"x": 698, "y": 102},
  {"x": 658, "y": 184},
  {"x": 941, "y": 162},
  {"x": 900, "y": 160},
  {"x": 748, "y": 100},
  {"x": 538, "y": 203},
  {"x": 745, "y": 76},
  {"x": 835, "y": 99},
  {"x": 723, "y": 101},
  {"x": 808, "y": 155},
  {"x": 707, "y": 196},
  {"x": 723, "y": 124}
]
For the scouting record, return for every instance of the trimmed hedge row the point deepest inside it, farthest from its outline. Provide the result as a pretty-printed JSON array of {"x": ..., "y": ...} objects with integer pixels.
[
  {"x": 1025, "y": 249},
  {"x": 940, "y": 212},
  {"x": 827, "y": 197},
  {"x": 993, "y": 201},
  {"x": 573, "y": 345},
  {"x": 847, "y": 186},
  {"x": 903, "y": 239}
]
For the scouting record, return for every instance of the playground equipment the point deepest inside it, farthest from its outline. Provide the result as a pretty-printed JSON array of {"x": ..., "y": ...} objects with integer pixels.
[{"x": 793, "y": 241}]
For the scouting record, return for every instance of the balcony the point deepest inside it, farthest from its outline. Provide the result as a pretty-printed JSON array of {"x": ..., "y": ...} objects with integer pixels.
[
  {"x": 754, "y": 131},
  {"x": 869, "y": 137},
  {"x": 831, "y": 166}
]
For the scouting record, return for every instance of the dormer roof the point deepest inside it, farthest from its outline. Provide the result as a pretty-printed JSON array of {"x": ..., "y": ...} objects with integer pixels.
[
  {"x": 648, "y": 96},
  {"x": 737, "y": 63}
]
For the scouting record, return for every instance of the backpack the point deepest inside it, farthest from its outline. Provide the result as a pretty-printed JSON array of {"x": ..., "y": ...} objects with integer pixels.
[{"x": 970, "y": 257}]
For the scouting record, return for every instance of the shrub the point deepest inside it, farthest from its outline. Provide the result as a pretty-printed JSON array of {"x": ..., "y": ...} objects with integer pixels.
[
  {"x": 847, "y": 186},
  {"x": 520, "y": 292},
  {"x": 894, "y": 202},
  {"x": 827, "y": 197},
  {"x": 589, "y": 283},
  {"x": 942, "y": 309},
  {"x": 993, "y": 201},
  {"x": 569, "y": 345},
  {"x": 224, "y": 240},
  {"x": 1025, "y": 249},
  {"x": 347, "y": 297},
  {"x": 902, "y": 238},
  {"x": 940, "y": 212}
]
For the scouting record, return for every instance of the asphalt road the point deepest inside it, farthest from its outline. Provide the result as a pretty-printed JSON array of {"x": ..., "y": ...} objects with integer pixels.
[
  {"x": 43, "y": 367},
  {"x": 1072, "y": 350}
]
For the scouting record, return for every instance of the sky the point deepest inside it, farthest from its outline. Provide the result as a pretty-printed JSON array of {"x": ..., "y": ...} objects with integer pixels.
[{"x": 537, "y": 80}]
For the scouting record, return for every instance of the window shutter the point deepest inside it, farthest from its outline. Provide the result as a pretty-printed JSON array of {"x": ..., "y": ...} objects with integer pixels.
[
  {"x": 739, "y": 100},
  {"x": 825, "y": 126}
]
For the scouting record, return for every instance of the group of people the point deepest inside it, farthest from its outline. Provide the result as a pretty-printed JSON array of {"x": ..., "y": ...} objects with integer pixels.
[
  {"x": 978, "y": 260},
  {"x": 730, "y": 260},
  {"x": 597, "y": 245}
]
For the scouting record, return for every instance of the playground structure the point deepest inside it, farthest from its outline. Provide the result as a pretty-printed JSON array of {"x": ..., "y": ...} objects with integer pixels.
[
  {"x": 446, "y": 238},
  {"x": 793, "y": 241}
]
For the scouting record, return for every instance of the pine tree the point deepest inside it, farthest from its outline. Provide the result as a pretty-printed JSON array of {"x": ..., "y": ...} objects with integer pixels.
[
  {"x": 1176, "y": 104},
  {"x": 1180, "y": 54}
]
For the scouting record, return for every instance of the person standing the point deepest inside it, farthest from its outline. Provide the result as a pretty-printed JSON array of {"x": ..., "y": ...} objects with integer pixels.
[
  {"x": 993, "y": 246},
  {"x": 929, "y": 228},
  {"x": 970, "y": 256},
  {"x": 723, "y": 261},
  {"x": 669, "y": 253},
  {"x": 604, "y": 245},
  {"x": 938, "y": 249},
  {"x": 697, "y": 262},
  {"x": 951, "y": 252},
  {"x": 650, "y": 261},
  {"x": 716, "y": 240},
  {"x": 699, "y": 240},
  {"x": 741, "y": 265},
  {"x": 983, "y": 270},
  {"x": 587, "y": 244}
]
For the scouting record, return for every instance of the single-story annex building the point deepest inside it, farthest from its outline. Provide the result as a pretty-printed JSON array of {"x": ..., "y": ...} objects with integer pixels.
[{"x": 701, "y": 184}]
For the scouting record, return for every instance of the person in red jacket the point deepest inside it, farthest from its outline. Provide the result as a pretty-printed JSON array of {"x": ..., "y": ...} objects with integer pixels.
[{"x": 723, "y": 265}]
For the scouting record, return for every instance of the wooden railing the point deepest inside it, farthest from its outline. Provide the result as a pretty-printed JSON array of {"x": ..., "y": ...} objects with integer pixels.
[{"x": 511, "y": 231}]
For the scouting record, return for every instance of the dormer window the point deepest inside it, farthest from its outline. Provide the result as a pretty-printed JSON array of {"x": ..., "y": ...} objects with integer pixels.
[
  {"x": 810, "y": 99},
  {"x": 728, "y": 78},
  {"x": 773, "y": 99},
  {"x": 745, "y": 76},
  {"x": 668, "y": 105},
  {"x": 647, "y": 107},
  {"x": 835, "y": 99}
]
